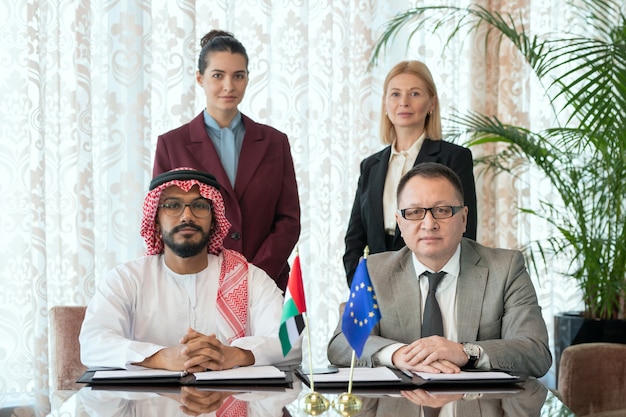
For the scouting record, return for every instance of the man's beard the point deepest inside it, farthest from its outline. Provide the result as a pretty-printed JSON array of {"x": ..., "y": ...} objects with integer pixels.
[{"x": 187, "y": 248}]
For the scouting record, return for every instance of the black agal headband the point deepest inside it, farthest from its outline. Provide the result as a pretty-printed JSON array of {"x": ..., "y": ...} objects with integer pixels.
[{"x": 184, "y": 175}]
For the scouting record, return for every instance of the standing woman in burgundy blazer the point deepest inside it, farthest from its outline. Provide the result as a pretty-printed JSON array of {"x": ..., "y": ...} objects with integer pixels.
[
  {"x": 411, "y": 126},
  {"x": 251, "y": 161}
]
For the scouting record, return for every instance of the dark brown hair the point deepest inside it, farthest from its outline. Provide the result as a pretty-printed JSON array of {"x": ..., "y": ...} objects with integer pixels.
[{"x": 219, "y": 41}]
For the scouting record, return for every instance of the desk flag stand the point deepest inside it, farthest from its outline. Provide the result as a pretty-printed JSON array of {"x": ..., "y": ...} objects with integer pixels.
[
  {"x": 359, "y": 318},
  {"x": 348, "y": 404},
  {"x": 314, "y": 402},
  {"x": 291, "y": 328}
]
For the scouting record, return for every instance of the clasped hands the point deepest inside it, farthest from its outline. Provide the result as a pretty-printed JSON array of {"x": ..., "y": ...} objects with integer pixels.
[
  {"x": 428, "y": 399},
  {"x": 433, "y": 354},
  {"x": 194, "y": 402},
  {"x": 197, "y": 353}
]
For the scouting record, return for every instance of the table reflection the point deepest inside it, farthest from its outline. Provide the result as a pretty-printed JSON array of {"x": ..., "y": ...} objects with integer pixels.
[
  {"x": 528, "y": 399},
  {"x": 176, "y": 401}
]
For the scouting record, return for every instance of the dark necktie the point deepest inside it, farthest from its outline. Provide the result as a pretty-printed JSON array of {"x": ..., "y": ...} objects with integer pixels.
[{"x": 432, "y": 323}]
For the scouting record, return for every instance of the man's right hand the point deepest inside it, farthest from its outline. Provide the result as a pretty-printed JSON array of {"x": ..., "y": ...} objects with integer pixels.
[{"x": 172, "y": 359}]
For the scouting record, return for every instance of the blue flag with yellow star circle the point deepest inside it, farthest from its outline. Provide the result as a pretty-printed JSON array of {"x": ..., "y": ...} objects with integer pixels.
[{"x": 361, "y": 312}]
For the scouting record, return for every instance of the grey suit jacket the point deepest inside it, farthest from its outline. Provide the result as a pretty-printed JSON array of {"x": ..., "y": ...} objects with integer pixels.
[{"x": 496, "y": 308}]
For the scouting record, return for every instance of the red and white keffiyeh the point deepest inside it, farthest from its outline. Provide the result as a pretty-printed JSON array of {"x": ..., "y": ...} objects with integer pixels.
[{"x": 232, "y": 295}]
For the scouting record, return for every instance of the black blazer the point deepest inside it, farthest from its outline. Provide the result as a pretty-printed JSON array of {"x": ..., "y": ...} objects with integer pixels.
[{"x": 366, "y": 220}]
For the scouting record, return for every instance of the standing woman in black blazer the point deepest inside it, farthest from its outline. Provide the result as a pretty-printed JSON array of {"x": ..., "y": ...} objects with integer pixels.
[{"x": 411, "y": 126}]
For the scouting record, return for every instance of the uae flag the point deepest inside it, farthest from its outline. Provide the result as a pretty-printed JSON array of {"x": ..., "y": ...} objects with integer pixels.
[{"x": 291, "y": 322}]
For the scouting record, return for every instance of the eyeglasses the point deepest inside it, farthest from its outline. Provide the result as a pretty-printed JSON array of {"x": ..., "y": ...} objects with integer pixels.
[
  {"x": 439, "y": 212},
  {"x": 199, "y": 208}
]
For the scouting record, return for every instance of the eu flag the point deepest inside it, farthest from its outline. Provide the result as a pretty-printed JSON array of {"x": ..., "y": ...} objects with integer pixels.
[{"x": 361, "y": 313}]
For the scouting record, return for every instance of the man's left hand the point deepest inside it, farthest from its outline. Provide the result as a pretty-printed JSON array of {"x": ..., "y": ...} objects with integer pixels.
[{"x": 431, "y": 351}]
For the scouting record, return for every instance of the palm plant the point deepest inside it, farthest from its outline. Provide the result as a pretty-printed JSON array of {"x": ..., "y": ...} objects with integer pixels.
[{"x": 583, "y": 157}]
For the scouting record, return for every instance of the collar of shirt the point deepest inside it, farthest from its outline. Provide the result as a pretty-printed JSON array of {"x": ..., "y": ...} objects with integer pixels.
[
  {"x": 202, "y": 285},
  {"x": 228, "y": 142},
  {"x": 210, "y": 122},
  {"x": 411, "y": 153},
  {"x": 452, "y": 267}
]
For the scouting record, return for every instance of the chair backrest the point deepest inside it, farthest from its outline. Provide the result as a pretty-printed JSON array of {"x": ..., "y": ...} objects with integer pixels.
[
  {"x": 592, "y": 377},
  {"x": 66, "y": 368}
]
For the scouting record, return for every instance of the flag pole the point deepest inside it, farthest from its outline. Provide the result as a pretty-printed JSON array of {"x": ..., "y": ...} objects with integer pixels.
[
  {"x": 348, "y": 404},
  {"x": 351, "y": 371},
  {"x": 314, "y": 402},
  {"x": 308, "y": 341}
]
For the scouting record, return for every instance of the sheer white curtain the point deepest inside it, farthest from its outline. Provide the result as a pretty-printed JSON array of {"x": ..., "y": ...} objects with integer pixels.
[{"x": 88, "y": 86}]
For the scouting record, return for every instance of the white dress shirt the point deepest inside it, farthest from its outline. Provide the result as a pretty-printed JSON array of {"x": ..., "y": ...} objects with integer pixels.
[
  {"x": 399, "y": 164},
  {"x": 143, "y": 306},
  {"x": 446, "y": 298}
]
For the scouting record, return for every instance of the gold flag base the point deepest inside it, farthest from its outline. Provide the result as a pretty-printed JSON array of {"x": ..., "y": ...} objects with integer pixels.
[
  {"x": 315, "y": 404},
  {"x": 347, "y": 404}
]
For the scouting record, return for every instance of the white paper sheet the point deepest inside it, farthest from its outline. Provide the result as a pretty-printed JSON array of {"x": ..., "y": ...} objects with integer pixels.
[
  {"x": 360, "y": 374},
  {"x": 244, "y": 372},
  {"x": 142, "y": 373},
  {"x": 462, "y": 376}
]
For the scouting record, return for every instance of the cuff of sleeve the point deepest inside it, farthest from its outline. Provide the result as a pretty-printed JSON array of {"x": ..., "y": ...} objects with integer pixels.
[
  {"x": 483, "y": 361},
  {"x": 140, "y": 351},
  {"x": 384, "y": 357},
  {"x": 266, "y": 350}
]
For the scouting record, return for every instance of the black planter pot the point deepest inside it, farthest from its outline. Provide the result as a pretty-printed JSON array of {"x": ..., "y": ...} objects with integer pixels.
[{"x": 571, "y": 328}]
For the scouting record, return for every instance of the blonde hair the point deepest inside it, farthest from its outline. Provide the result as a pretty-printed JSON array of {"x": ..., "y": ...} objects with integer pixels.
[{"x": 432, "y": 125}]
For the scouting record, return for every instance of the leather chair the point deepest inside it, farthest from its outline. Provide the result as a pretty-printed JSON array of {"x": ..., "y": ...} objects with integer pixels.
[
  {"x": 65, "y": 368},
  {"x": 592, "y": 379}
]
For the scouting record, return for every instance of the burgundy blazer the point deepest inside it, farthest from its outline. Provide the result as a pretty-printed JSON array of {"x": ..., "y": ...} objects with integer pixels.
[{"x": 263, "y": 209}]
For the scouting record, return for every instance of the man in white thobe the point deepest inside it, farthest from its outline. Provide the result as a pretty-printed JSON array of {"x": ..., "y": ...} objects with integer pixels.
[{"x": 189, "y": 304}]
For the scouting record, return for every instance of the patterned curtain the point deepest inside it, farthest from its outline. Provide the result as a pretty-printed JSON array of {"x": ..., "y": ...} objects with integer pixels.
[{"x": 88, "y": 85}]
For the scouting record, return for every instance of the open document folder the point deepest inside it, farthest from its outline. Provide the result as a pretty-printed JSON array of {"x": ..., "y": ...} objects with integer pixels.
[
  {"x": 392, "y": 378},
  {"x": 473, "y": 377},
  {"x": 245, "y": 375},
  {"x": 378, "y": 377}
]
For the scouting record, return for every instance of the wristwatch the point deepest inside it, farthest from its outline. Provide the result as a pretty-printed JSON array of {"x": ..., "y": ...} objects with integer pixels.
[
  {"x": 469, "y": 396},
  {"x": 473, "y": 354}
]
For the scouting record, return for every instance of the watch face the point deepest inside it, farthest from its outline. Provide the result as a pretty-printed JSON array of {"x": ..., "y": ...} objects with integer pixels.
[{"x": 472, "y": 350}]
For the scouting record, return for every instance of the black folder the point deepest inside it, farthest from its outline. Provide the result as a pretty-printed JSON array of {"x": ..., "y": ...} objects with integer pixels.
[
  {"x": 189, "y": 379},
  {"x": 477, "y": 380},
  {"x": 404, "y": 382},
  {"x": 412, "y": 381}
]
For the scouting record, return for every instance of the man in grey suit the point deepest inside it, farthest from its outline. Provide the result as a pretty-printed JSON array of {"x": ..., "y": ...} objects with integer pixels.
[{"x": 490, "y": 318}]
